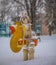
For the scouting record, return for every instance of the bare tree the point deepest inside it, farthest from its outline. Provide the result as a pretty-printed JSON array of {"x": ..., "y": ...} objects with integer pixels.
[
  {"x": 31, "y": 6},
  {"x": 31, "y": 10},
  {"x": 51, "y": 15}
]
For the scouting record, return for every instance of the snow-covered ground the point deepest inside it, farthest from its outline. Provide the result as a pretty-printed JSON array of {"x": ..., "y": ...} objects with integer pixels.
[{"x": 45, "y": 52}]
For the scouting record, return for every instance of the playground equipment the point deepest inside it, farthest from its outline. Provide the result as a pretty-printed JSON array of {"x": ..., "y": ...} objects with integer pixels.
[
  {"x": 22, "y": 36},
  {"x": 17, "y": 35},
  {"x": 4, "y": 29}
]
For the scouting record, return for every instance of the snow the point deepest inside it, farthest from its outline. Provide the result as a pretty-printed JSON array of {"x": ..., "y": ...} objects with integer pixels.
[{"x": 45, "y": 52}]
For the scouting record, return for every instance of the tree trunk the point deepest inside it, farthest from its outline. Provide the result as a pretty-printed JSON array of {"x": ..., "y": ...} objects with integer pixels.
[{"x": 31, "y": 11}]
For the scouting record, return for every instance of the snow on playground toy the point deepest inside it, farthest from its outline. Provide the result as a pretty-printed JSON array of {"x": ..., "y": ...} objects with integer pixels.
[{"x": 20, "y": 35}]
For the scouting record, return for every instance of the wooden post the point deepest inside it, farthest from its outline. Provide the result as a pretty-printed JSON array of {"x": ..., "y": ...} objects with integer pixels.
[
  {"x": 31, "y": 52},
  {"x": 25, "y": 53}
]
